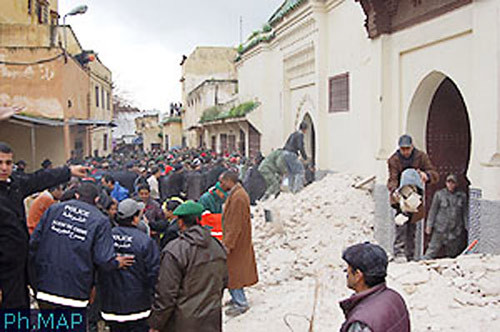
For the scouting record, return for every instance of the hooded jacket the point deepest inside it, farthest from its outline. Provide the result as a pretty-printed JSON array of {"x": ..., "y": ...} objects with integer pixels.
[
  {"x": 117, "y": 288},
  {"x": 193, "y": 275},
  {"x": 71, "y": 239}
]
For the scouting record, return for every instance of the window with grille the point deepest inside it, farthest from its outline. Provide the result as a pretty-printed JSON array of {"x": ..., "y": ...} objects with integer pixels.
[
  {"x": 338, "y": 92},
  {"x": 232, "y": 143},
  {"x": 102, "y": 98},
  {"x": 223, "y": 143},
  {"x": 96, "y": 96},
  {"x": 214, "y": 143},
  {"x": 105, "y": 142}
]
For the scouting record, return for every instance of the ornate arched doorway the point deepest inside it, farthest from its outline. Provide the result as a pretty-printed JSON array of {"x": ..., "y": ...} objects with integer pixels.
[
  {"x": 439, "y": 122},
  {"x": 448, "y": 136}
]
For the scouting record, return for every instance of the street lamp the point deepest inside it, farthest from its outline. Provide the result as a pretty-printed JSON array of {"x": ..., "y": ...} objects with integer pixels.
[{"x": 75, "y": 11}]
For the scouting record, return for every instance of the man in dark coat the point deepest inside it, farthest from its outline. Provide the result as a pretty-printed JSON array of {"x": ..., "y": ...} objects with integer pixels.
[
  {"x": 447, "y": 221},
  {"x": 293, "y": 146},
  {"x": 214, "y": 173},
  {"x": 405, "y": 158},
  {"x": 127, "y": 177},
  {"x": 14, "y": 236},
  {"x": 174, "y": 185},
  {"x": 194, "y": 184},
  {"x": 193, "y": 275},
  {"x": 374, "y": 307}
]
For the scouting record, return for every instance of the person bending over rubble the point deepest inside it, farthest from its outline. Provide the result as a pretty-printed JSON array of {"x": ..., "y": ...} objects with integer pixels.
[
  {"x": 414, "y": 162},
  {"x": 374, "y": 307}
]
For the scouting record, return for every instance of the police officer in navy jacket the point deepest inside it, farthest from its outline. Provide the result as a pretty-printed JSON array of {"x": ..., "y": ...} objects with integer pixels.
[
  {"x": 126, "y": 295},
  {"x": 72, "y": 239}
]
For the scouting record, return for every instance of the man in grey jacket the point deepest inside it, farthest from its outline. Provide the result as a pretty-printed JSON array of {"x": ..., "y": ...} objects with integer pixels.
[{"x": 447, "y": 221}]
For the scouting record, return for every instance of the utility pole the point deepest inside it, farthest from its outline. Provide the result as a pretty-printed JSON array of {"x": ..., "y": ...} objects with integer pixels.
[{"x": 241, "y": 30}]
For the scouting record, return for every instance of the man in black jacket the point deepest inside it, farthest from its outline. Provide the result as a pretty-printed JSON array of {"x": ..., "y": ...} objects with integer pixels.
[
  {"x": 126, "y": 295},
  {"x": 293, "y": 146},
  {"x": 14, "y": 236},
  {"x": 71, "y": 240},
  {"x": 127, "y": 177},
  {"x": 175, "y": 182}
]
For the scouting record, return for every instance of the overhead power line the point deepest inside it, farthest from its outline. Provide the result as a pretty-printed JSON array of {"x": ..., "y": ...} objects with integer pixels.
[{"x": 38, "y": 62}]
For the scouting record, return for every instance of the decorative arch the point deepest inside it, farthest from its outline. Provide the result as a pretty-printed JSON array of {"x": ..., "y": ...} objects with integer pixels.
[
  {"x": 419, "y": 106},
  {"x": 305, "y": 106}
]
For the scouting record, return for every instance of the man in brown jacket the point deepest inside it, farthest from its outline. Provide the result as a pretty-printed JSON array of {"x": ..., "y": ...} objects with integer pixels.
[
  {"x": 42, "y": 204},
  {"x": 193, "y": 275},
  {"x": 408, "y": 157},
  {"x": 237, "y": 239}
]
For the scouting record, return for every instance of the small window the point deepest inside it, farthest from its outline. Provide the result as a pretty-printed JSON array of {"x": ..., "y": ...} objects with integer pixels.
[
  {"x": 214, "y": 143},
  {"x": 338, "y": 92},
  {"x": 105, "y": 142},
  {"x": 108, "y": 101},
  {"x": 102, "y": 97},
  {"x": 223, "y": 143},
  {"x": 232, "y": 143},
  {"x": 96, "y": 96}
]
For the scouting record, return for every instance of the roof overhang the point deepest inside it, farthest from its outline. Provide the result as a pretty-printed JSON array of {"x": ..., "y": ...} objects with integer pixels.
[{"x": 29, "y": 120}]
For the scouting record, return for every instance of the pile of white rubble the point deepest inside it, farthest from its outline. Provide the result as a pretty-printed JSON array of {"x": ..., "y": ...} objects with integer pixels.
[{"x": 302, "y": 275}]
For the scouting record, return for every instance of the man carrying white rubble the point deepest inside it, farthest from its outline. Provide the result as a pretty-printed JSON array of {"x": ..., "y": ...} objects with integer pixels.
[
  {"x": 416, "y": 164},
  {"x": 374, "y": 307}
]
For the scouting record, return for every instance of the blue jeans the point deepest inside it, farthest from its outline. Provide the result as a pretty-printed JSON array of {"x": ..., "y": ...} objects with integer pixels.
[
  {"x": 296, "y": 171},
  {"x": 239, "y": 298}
]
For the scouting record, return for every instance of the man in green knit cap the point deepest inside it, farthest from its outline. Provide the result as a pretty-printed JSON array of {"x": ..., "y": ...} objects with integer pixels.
[{"x": 193, "y": 275}]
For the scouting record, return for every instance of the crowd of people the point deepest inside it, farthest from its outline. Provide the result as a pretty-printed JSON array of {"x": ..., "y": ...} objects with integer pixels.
[{"x": 150, "y": 241}]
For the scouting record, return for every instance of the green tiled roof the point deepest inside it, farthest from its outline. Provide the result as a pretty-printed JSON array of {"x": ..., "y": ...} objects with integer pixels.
[
  {"x": 217, "y": 113},
  {"x": 267, "y": 34},
  {"x": 286, "y": 7}
]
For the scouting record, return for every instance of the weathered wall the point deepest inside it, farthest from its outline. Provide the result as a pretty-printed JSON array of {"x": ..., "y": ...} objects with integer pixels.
[
  {"x": 173, "y": 132},
  {"x": 39, "y": 88},
  {"x": 100, "y": 140},
  {"x": 49, "y": 144},
  {"x": 149, "y": 127}
]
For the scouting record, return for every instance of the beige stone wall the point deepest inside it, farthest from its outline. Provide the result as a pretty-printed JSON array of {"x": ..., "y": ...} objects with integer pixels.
[
  {"x": 48, "y": 143},
  {"x": 149, "y": 127},
  {"x": 98, "y": 142},
  {"x": 172, "y": 131},
  {"x": 204, "y": 64},
  {"x": 40, "y": 88},
  {"x": 392, "y": 81},
  {"x": 100, "y": 79},
  {"x": 232, "y": 128},
  {"x": 26, "y": 35}
]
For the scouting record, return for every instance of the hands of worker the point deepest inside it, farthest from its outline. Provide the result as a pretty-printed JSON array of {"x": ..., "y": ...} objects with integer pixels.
[
  {"x": 153, "y": 330},
  {"x": 125, "y": 261},
  {"x": 79, "y": 171},
  {"x": 423, "y": 176},
  {"x": 428, "y": 230}
]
